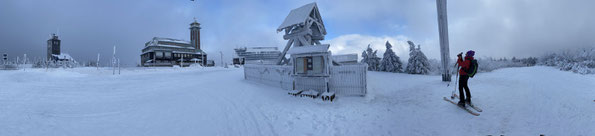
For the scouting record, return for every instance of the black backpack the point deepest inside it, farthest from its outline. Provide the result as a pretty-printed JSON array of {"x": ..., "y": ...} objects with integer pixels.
[{"x": 472, "y": 68}]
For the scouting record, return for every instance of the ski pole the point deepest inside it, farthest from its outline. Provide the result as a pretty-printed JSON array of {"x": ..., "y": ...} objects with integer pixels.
[{"x": 452, "y": 95}]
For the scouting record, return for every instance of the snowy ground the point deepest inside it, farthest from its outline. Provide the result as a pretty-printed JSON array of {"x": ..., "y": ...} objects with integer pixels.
[{"x": 218, "y": 101}]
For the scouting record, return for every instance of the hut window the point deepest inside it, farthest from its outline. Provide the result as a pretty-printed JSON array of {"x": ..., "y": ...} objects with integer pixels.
[
  {"x": 301, "y": 64},
  {"x": 313, "y": 65},
  {"x": 317, "y": 64}
]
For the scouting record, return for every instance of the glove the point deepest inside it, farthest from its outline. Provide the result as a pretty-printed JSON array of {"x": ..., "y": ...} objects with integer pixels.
[{"x": 460, "y": 55}]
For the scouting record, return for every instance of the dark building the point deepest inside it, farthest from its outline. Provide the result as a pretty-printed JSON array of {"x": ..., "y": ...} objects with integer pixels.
[
  {"x": 53, "y": 47},
  {"x": 170, "y": 52}
]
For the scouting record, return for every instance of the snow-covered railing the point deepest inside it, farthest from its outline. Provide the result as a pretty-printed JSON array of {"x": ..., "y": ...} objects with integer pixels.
[
  {"x": 344, "y": 80},
  {"x": 273, "y": 75}
]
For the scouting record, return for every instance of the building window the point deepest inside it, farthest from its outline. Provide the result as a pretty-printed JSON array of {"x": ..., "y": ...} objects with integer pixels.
[
  {"x": 158, "y": 54},
  {"x": 167, "y": 55}
]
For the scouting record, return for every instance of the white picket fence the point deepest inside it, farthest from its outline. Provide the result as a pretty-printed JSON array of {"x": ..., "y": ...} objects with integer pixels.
[
  {"x": 349, "y": 79},
  {"x": 344, "y": 80},
  {"x": 273, "y": 75}
]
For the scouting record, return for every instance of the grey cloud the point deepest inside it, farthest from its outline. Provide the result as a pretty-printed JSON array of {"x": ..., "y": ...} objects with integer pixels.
[{"x": 492, "y": 27}]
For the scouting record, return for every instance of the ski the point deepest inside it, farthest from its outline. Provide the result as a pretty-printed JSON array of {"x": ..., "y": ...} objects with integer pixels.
[
  {"x": 470, "y": 105},
  {"x": 466, "y": 109}
]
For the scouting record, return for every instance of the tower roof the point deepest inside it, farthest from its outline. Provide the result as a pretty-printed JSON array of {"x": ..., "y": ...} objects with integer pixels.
[
  {"x": 195, "y": 24},
  {"x": 54, "y": 37}
]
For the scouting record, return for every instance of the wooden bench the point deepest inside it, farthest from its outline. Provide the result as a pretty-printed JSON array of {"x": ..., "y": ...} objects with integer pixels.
[
  {"x": 295, "y": 92},
  {"x": 328, "y": 96},
  {"x": 310, "y": 93}
]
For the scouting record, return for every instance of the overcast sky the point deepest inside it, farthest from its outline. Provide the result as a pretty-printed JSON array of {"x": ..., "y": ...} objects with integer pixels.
[{"x": 493, "y": 28}]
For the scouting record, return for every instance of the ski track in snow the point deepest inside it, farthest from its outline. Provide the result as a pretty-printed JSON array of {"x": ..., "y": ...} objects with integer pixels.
[{"x": 218, "y": 101}]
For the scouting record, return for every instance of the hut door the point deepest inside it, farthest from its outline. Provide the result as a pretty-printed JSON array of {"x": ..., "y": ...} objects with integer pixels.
[{"x": 305, "y": 65}]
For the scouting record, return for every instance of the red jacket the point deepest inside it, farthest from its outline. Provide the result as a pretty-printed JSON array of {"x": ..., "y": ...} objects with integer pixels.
[{"x": 464, "y": 64}]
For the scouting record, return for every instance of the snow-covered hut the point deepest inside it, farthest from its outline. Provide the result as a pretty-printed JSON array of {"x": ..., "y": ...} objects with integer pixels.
[{"x": 310, "y": 66}]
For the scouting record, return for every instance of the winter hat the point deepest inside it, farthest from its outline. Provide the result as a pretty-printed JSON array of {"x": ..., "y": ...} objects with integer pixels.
[{"x": 470, "y": 53}]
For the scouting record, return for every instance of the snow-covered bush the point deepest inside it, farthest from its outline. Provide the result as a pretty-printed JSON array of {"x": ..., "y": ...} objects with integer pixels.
[
  {"x": 418, "y": 62},
  {"x": 390, "y": 61},
  {"x": 369, "y": 57},
  {"x": 490, "y": 64},
  {"x": 485, "y": 64},
  {"x": 577, "y": 61},
  {"x": 55, "y": 64}
]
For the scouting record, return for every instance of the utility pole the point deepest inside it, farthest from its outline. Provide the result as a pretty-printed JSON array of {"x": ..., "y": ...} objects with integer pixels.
[
  {"x": 97, "y": 63},
  {"x": 221, "y": 58},
  {"x": 24, "y": 61},
  {"x": 443, "y": 30},
  {"x": 114, "y": 61},
  {"x": 118, "y": 66}
]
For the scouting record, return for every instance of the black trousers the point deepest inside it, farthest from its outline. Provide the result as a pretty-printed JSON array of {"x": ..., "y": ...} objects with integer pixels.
[{"x": 463, "y": 85}]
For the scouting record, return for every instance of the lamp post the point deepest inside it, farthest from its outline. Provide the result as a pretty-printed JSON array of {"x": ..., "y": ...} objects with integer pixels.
[{"x": 221, "y": 58}]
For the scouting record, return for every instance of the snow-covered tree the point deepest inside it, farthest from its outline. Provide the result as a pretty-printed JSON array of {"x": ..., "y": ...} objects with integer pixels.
[
  {"x": 369, "y": 57},
  {"x": 364, "y": 57},
  {"x": 390, "y": 61},
  {"x": 418, "y": 62}
]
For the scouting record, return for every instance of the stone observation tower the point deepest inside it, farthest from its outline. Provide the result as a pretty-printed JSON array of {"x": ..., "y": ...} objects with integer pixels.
[
  {"x": 195, "y": 35},
  {"x": 53, "y": 47}
]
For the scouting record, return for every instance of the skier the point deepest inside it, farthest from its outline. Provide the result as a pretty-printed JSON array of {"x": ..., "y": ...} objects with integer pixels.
[{"x": 464, "y": 73}]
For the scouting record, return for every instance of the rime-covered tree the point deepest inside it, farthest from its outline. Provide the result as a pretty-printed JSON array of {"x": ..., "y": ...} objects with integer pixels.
[
  {"x": 390, "y": 61},
  {"x": 364, "y": 57},
  {"x": 579, "y": 61},
  {"x": 418, "y": 63},
  {"x": 369, "y": 57}
]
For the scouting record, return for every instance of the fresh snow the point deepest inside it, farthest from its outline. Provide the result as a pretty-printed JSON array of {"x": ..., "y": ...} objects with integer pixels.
[{"x": 218, "y": 101}]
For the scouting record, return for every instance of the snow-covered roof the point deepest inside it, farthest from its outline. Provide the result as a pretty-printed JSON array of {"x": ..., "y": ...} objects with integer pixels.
[
  {"x": 170, "y": 40},
  {"x": 262, "y": 49},
  {"x": 309, "y": 49},
  {"x": 171, "y": 46},
  {"x": 63, "y": 56},
  {"x": 299, "y": 15},
  {"x": 198, "y": 53},
  {"x": 345, "y": 57}
]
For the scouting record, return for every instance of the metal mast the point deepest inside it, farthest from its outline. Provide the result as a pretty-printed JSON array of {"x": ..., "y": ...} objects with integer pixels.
[{"x": 443, "y": 29}]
